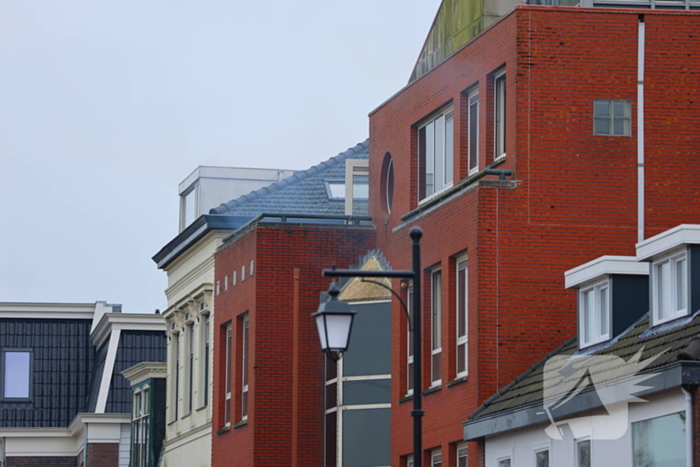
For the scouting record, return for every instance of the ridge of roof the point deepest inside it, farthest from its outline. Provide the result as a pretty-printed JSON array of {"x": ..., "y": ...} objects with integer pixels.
[{"x": 359, "y": 148}]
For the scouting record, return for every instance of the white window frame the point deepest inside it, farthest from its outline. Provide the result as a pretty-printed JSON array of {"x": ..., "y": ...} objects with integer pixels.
[
  {"x": 499, "y": 114},
  {"x": 174, "y": 377},
  {"x": 536, "y": 449},
  {"x": 436, "y": 458},
  {"x": 26, "y": 371},
  {"x": 409, "y": 460},
  {"x": 461, "y": 452},
  {"x": 596, "y": 288},
  {"x": 435, "y": 326},
  {"x": 504, "y": 458},
  {"x": 205, "y": 372},
  {"x": 590, "y": 451},
  {"x": 473, "y": 136},
  {"x": 446, "y": 170},
  {"x": 409, "y": 343},
  {"x": 245, "y": 375},
  {"x": 611, "y": 118},
  {"x": 228, "y": 375},
  {"x": 353, "y": 168},
  {"x": 672, "y": 259},
  {"x": 462, "y": 310}
]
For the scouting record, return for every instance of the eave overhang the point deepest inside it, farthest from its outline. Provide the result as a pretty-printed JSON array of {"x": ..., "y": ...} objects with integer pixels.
[
  {"x": 195, "y": 232},
  {"x": 669, "y": 377}
]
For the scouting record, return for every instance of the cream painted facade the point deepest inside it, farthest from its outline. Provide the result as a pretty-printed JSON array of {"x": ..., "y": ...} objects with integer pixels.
[{"x": 189, "y": 319}]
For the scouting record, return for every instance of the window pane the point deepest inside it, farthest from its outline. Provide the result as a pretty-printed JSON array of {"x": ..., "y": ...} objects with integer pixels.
[
  {"x": 462, "y": 301},
  {"x": 500, "y": 108},
  {"x": 601, "y": 108},
  {"x": 604, "y": 313},
  {"x": 462, "y": 457},
  {"x": 621, "y": 109},
  {"x": 662, "y": 288},
  {"x": 461, "y": 360},
  {"x": 228, "y": 359},
  {"x": 602, "y": 126},
  {"x": 681, "y": 288},
  {"x": 436, "y": 311},
  {"x": 429, "y": 159},
  {"x": 17, "y": 375},
  {"x": 474, "y": 134},
  {"x": 410, "y": 376},
  {"x": 449, "y": 147},
  {"x": 504, "y": 463},
  {"x": 587, "y": 304},
  {"x": 437, "y": 460},
  {"x": 360, "y": 187},
  {"x": 542, "y": 459},
  {"x": 583, "y": 453},
  {"x": 337, "y": 189},
  {"x": 439, "y": 179},
  {"x": 437, "y": 366},
  {"x": 659, "y": 441}
]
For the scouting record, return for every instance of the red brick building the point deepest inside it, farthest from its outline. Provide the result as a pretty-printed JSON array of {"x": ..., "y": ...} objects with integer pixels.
[
  {"x": 592, "y": 112},
  {"x": 274, "y": 414}
]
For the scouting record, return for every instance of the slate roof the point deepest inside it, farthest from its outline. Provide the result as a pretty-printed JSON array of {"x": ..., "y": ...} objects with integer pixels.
[
  {"x": 302, "y": 193},
  {"x": 674, "y": 341}
]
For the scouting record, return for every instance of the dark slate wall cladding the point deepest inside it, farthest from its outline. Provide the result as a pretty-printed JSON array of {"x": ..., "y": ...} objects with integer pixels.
[
  {"x": 96, "y": 377},
  {"x": 62, "y": 357},
  {"x": 134, "y": 347}
]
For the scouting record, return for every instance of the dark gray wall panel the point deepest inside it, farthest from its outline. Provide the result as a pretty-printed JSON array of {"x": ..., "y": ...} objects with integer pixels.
[
  {"x": 369, "y": 352},
  {"x": 366, "y": 437}
]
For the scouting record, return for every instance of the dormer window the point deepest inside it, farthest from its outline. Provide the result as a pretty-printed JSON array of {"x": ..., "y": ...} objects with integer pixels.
[
  {"x": 594, "y": 313},
  {"x": 670, "y": 287}
]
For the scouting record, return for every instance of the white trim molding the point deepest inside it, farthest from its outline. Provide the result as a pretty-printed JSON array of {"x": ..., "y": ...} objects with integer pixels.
[
  {"x": 603, "y": 266},
  {"x": 685, "y": 234}
]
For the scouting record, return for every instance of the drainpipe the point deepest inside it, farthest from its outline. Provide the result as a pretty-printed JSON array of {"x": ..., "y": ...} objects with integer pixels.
[
  {"x": 640, "y": 130},
  {"x": 688, "y": 427}
]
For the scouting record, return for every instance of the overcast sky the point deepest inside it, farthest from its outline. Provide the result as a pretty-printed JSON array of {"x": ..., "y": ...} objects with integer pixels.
[{"x": 105, "y": 106}]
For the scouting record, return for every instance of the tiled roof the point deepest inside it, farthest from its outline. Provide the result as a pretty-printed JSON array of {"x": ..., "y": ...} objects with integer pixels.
[
  {"x": 671, "y": 342},
  {"x": 302, "y": 193}
]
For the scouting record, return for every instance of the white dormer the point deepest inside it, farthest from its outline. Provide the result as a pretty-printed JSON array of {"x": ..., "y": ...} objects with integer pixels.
[
  {"x": 670, "y": 255},
  {"x": 596, "y": 281}
]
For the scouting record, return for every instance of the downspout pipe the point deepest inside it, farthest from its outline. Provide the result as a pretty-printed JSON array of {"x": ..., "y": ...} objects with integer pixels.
[
  {"x": 640, "y": 129},
  {"x": 688, "y": 427}
]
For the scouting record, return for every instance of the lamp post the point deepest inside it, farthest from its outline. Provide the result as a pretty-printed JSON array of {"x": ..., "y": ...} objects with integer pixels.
[{"x": 334, "y": 322}]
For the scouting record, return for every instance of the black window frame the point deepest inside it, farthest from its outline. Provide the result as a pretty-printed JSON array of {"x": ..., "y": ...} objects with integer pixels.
[{"x": 30, "y": 391}]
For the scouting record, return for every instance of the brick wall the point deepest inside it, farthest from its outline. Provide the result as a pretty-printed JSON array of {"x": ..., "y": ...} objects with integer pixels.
[
  {"x": 285, "y": 424},
  {"x": 41, "y": 462},
  {"x": 575, "y": 197},
  {"x": 103, "y": 455}
]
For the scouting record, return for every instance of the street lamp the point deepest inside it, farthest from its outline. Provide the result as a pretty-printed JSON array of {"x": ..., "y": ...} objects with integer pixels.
[{"x": 334, "y": 322}]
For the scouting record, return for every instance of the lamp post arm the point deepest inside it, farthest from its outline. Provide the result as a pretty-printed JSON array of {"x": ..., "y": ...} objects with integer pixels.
[{"x": 403, "y": 304}]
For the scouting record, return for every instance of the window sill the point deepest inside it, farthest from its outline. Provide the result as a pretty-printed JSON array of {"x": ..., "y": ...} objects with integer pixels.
[
  {"x": 431, "y": 390},
  {"x": 436, "y": 194},
  {"x": 456, "y": 381},
  {"x": 240, "y": 424},
  {"x": 497, "y": 161},
  {"x": 225, "y": 429},
  {"x": 199, "y": 409},
  {"x": 406, "y": 398}
]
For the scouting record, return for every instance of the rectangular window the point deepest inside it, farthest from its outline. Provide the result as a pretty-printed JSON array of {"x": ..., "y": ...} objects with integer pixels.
[
  {"x": 659, "y": 441},
  {"x": 499, "y": 112},
  {"x": 175, "y": 376},
  {"x": 140, "y": 429},
  {"x": 244, "y": 369},
  {"x": 505, "y": 462},
  {"x": 225, "y": 283},
  {"x": 436, "y": 458},
  {"x": 218, "y": 287},
  {"x": 462, "y": 317},
  {"x": 670, "y": 287},
  {"x": 409, "y": 340},
  {"x": 205, "y": 355},
  {"x": 462, "y": 455},
  {"x": 583, "y": 453},
  {"x": 229, "y": 382},
  {"x": 594, "y": 316},
  {"x": 612, "y": 117},
  {"x": 242, "y": 273},
  {"x": 436, "y": 328},
  {"x": 542, "y": 458},
  {"x": 435, "y": 150},
  {"x": 16, "y": 374},
  {"x": 190, "y": 367},
  {"x": 409, "y": 461},
  {"x": 473, "y": 98},
  {"x": 233, "y": 280}
]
